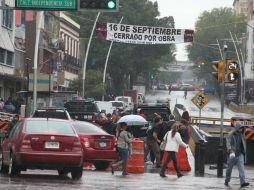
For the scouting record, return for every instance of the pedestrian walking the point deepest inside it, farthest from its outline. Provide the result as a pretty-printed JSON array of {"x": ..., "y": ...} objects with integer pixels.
[
  {"x": 185, "y": 93},
  {"x": 236, "y": 147},
  {"x": 173, "y": 140},
  {"x": 123, "y": 142},
  {"x": 184, "y": 131},
  {"x": 185, "y": 114},
  {"x": 12, "y": 123},
  {"x": 153, "y": 139},
  {"x": 169, "y": 88}
]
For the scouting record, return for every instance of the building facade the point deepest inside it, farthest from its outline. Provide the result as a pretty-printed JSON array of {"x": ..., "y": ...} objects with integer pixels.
[{"x": 8, "y": 80}]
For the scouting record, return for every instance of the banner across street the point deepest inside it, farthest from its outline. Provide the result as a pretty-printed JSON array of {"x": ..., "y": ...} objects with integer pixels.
[{"x": 134, "y": 34}]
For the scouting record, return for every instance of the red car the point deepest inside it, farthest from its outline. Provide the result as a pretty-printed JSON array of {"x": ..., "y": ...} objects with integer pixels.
[
  {"x": 98, "y": 145},
  {"x": 42, "y": 143}
]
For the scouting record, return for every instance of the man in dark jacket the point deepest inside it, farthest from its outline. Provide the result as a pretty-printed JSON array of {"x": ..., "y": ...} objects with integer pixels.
[
  {"x": 153, "y": 140},
  {"x": 236, "y": 147}
]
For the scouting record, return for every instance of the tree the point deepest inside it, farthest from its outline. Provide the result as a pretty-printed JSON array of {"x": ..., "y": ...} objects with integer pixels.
[
  {"x": 212, "y": 25},
  {"x": 126, "y": 59}
]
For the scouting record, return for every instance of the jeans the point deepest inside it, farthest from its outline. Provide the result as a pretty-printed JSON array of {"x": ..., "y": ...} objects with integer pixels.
[
  {"x": 155, "y": 148},
  {"x": 171, "y": 156},
  {"x": 239, "y": 161}
]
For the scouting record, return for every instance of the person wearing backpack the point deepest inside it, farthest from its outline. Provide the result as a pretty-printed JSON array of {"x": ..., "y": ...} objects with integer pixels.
[{"x": 123, "y": 142}]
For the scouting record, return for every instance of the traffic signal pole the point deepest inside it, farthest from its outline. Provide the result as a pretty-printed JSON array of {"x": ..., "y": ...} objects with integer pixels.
[{"x": 220, "y": 149}]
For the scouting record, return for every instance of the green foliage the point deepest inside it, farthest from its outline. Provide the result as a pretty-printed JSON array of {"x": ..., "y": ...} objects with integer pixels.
[
  {"x": 93, "y": 84},
  {"x": 126, "y": 59},
  {"x": 210, "y": 26}
]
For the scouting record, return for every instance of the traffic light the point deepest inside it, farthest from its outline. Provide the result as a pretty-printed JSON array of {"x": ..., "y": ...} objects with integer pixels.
[
  {"x": 218, "y": 69},
  {"x": 232, "y": 71},
  {"x": 99, "y": 5}
]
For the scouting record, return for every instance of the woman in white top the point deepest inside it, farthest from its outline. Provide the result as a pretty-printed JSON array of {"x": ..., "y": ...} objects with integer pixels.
[{"x": 173, "y": 140}]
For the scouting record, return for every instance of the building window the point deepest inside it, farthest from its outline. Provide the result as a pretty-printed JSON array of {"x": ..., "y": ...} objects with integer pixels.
[
  {"x": 2, "y": 55},
  {"x": 6, "y": 57},
  {"x": 7, "y": 19},
  {"x": 9, "y": 58}
]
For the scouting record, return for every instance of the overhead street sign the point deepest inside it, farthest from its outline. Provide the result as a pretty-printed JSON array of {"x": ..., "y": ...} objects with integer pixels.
[
  {"x": 200, "y": 100},
  {"x": 46, "y": 4}
]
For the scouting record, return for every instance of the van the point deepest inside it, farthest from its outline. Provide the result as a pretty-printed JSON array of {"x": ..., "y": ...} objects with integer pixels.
[
  {"x": 105, "y": 107},
  {"x": 127, "y": 100}
]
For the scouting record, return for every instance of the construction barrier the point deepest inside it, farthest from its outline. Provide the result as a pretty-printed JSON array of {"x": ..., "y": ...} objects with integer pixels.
[
  {"x": 136, "y": 159},
  {"x": 182, "y": 160}
]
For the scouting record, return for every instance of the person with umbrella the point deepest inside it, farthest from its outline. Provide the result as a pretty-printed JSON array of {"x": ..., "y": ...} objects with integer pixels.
[{"x": 123, "y": 141}]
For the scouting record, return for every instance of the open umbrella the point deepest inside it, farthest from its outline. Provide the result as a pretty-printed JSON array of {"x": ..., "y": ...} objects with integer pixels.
[{"x": 132, "y": 120}]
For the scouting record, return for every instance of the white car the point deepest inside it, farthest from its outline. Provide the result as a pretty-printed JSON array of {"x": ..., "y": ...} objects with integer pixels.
[
  {"x": 119, "y": 105},
  {"x": 127, "y": 100}
]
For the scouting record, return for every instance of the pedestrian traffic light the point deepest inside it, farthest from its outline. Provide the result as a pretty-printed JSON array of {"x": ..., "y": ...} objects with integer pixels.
[
  {"x": 218, "y": 70},
  {"x": 99, "y": 5},
  {"x": 232, "y": 71}
]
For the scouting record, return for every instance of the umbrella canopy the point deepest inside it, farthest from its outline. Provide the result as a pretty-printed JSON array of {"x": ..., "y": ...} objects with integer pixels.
[{"x": 132, "y": 120}]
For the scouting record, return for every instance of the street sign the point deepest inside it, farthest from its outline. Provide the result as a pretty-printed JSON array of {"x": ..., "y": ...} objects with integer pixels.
[
  {"x": 46, "y": 4},
  {"x": 200, "y": 100}
]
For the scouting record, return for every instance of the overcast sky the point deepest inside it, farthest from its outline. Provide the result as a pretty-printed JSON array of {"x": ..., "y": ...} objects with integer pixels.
[{"x": 186, "y": 12}]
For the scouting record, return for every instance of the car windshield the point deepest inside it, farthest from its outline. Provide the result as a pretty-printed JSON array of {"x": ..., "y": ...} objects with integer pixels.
[
  {"x": 123, "y": 99},
  {"x": 87, "y": 128},
  {"x": 81, "y": 107},
  {"x": 117, "y": 104},
  {"x": 49, "y": 127}
]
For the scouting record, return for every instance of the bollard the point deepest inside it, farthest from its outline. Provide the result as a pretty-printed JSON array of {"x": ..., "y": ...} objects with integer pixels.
[
  {"x": 201, "y": 159},
  {"x": 197, "y": 150}
]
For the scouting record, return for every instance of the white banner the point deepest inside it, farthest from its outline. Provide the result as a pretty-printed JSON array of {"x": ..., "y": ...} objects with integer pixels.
[{"x": 146, "y": 34}]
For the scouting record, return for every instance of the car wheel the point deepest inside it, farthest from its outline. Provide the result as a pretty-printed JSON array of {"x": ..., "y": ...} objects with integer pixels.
[
  {"x": 77, "y": 173},
  {"x": 101, "y": 165},
  {"x": 13, "y": 169},
  {"x": 62, "y": 172}
]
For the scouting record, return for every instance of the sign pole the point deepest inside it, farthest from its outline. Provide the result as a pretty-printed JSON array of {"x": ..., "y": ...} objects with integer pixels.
[{"x": 220, "y": 149}]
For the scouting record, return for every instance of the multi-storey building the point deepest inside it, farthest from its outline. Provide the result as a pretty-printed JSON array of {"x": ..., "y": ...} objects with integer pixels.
[
  {"x": 69, "y": 43},
  {"x": 8, "y": 80}
]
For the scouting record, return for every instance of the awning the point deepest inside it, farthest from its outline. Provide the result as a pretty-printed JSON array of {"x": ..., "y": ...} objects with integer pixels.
[{"x": 6, "y": 41}]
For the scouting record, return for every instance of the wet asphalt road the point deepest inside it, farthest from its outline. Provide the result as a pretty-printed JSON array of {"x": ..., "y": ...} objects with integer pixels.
[{"x": 94, "y": 180}]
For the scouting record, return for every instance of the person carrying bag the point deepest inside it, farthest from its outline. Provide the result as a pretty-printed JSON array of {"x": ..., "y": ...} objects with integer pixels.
[{"x": 173, "y": 140}]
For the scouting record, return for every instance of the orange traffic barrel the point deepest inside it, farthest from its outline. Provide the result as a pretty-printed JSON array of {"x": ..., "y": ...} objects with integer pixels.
[
  {"x": 136, "y": 159},
  {"x": 182, "y": 160}
]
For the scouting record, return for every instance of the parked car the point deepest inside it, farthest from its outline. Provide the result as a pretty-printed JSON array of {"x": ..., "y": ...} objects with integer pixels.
[
  {"x": 83, "y": 110},
  {"x": 118, "y": 105},
  {"x": 98, "y": 145},
  {"x": 208, "y": 89},
  {"x": 175, "y": 86},
  {"x": 57, "y": 113},
  {"x": 127, "y": 100},
  {"x": 188, "y": 86},
  {"x": 40, "y": 143},
  {"x": 162, "y": 87}
]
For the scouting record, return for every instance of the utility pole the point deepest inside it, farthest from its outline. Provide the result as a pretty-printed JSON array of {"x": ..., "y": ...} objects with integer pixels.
[
  {"x": 106, "y": 62},
  {"x": 87, "y": 52},
  {"x": 39, "y": 16},
  {"x": 220, "y": 149}
]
